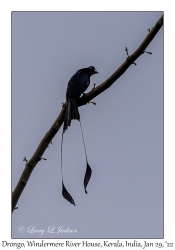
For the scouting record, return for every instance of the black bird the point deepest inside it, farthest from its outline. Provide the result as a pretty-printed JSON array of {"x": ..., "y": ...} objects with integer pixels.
[{"x": 78, "y": 83}]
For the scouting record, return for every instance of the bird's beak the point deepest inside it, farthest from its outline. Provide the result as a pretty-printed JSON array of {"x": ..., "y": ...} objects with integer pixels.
[{"x": 95, "y": 72}]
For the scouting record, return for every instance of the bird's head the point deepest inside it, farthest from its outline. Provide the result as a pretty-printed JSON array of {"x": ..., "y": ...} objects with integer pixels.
[{"x": 90, "y": 70}]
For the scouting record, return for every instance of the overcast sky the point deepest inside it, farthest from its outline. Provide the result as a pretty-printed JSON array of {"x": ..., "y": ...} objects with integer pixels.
[{"x": 123, "y": 132}]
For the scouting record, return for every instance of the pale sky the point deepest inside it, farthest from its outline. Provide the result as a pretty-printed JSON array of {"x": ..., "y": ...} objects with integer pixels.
[{"x": 123, "y": 132}]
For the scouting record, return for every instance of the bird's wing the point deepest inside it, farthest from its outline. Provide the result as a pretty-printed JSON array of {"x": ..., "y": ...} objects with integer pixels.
[{"x": 78, "y": 83}]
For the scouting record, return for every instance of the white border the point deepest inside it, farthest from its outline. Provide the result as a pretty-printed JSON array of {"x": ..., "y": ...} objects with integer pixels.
[{"x": 5, "y": 96}]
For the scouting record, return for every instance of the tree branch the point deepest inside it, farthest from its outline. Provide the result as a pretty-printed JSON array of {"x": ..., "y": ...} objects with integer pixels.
[{"x": 30, "y": 165}]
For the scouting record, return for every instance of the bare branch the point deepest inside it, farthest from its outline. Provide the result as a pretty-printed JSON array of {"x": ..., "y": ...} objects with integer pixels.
[
  {"x": 129, "y": 60},
  {"x": 47, "y": 139}
]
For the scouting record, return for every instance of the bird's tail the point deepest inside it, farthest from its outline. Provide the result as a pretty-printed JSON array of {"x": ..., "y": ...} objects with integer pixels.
[{"x": 71, "y": 112}]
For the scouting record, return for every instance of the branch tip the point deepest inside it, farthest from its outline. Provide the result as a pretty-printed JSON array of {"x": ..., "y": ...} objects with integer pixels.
[
  {"x": 24, "y": 159},
  {"x": 150, "y": 53},
  {"x": 126, "y": 49},
  {"x": 40, "y": 158},
  {"x": 134, "y": 63},
  {"x": 94, "y": 86},
  {"x": 63, "y": 104},
  {"x": 92, "y": 102}
]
